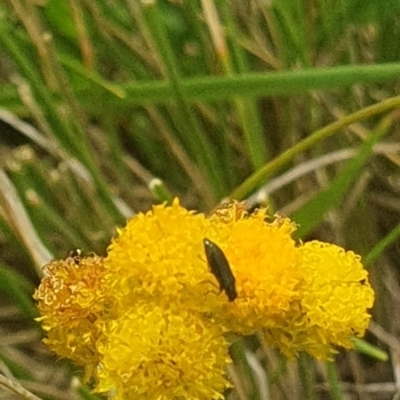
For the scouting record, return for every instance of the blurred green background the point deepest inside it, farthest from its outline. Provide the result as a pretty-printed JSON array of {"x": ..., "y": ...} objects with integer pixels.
[{"x": 110, "y": 106}]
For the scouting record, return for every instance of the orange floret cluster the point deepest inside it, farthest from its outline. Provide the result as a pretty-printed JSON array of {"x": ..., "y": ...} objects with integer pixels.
[
  {"x": 74, "y": 306},
  {"x": 149, "y": 322}
]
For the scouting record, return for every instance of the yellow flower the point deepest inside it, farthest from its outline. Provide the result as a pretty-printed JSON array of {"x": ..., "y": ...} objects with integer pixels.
[
  {"x": 150, "y": 317},
  {"x": 333, "y": 304},
  {"x": 163, "y": 353},
  {"x": 73, "y": 307},
  {"x": 266, "y": 264},
  {"x": 335, "y": 293},
  {"x": 159, "y": 257}
]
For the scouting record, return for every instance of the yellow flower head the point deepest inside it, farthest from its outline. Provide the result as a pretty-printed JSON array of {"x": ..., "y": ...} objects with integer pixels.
[
  {"x": 335, "y": 293},
  {"x": 333, "y": 304},
  {"x": 73, "y": 306},
  {"x": 163, "y": 353},
  {"x": 159, "y": 256},
  {"x": 265, "y": 262}
]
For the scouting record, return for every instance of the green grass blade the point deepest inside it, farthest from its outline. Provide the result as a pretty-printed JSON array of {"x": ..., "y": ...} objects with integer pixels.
[
  {"x": 18, "y": 290},
  {"x": 312, "y": 213},
  {"x": 256, "y": 180},
  {"x": 368, "y": 349},
  {"x": 307, "y": 376},
  {"x": 333, "y": 381},
  {"x": 260, "y": 84},
  {"x": 381, "y": 246},
  {"x": 211, "y": 88}
]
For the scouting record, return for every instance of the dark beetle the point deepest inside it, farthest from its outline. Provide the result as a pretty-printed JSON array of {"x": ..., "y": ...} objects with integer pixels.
[{"x": 220, "y": 268}]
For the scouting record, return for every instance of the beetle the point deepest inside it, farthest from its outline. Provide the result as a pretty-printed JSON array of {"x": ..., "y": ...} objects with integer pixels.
[{"x": 220, "y": 268}]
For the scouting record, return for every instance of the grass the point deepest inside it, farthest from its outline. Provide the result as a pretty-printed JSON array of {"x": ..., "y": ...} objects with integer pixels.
[{"x": 109, "y": 107}]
